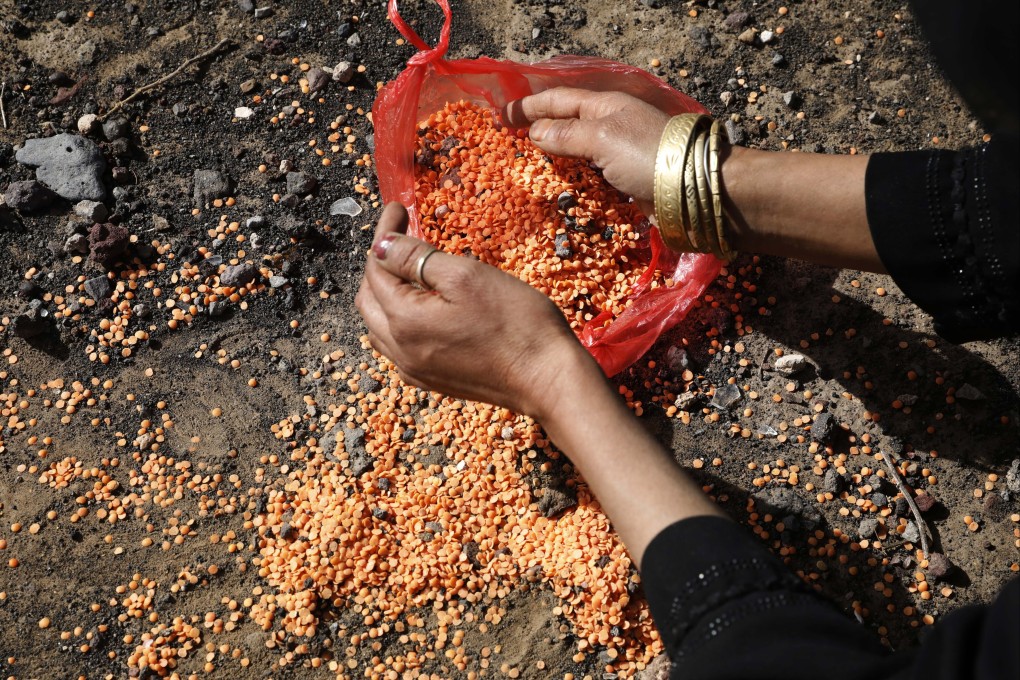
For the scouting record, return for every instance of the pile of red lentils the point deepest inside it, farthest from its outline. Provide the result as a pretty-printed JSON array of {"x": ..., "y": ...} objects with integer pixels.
[{"x": 486, "y": 191}]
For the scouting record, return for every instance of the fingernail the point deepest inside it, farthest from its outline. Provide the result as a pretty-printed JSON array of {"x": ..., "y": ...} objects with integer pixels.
[
  {"x": 539, "y": 128},
  {"x": 381, "y": 246}
]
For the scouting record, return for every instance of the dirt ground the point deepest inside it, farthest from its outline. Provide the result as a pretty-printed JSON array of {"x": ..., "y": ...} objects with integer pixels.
[{"x": 84, "y": 577}]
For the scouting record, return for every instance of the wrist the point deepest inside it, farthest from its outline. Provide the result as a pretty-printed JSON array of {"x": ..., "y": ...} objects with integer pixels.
[{"x": 572, "y": 381}]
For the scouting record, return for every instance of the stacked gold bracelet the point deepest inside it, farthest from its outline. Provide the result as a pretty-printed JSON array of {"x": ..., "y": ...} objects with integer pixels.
[{"x": 688, "y": 192}]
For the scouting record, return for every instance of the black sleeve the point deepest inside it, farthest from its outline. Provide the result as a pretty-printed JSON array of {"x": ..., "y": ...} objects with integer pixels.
[
  {"x": 946, "y": 226},
  {"x": 727, "y": 609}
]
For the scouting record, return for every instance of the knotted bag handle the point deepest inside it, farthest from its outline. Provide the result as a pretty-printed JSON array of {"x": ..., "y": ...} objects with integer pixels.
[{"x": 426, "y": 54}]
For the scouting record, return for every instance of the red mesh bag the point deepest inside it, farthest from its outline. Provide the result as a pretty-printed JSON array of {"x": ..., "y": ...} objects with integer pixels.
[{"x": 430, "y": 81}]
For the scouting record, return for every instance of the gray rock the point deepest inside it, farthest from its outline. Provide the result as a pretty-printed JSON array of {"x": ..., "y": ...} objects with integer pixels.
[
  {"x": 788, "y": 364},
  {"x": 354, "y": 40},
  {"x": 246, "y": 6},
  {"x": 911, "y": 534},
  {"x": 93, "y": 211},
  {"x": 263, "y": 12},
  {"x": 301, "y": 183},
  {"x": 969, "y": 392},
  {"x": 435, "y": 527},
  {"x": 1013, "y": 476},
  {"x": 689, "y": 400},
  {"x": 344, "y": 72},
  {"x": 141, "y": 310},
  {"x": 735, "y": 132},
  {"x": 784, "y": 501},
  {"x": 116, "y": 128},
  {"x": 766, "y": 36},
  {"x": 98, "y": 288},
  {"x": 778, "y": 60},
  {"x": 239, "y": 275},
  {"x": 726, "y": 396},
  {"x": 70, "y": 165},
  {"x": 566, "y": 200},
  {"x": 77, "y": 244},
  {"x": 210, "y": 185},
  {"x": 256, "y": 222},
  {"x": 218, "y": 308},
  {"x": 868, "y": 528},
  {"x": 29, "y": 197},
  {"x": 833, "y": 482},
  {"x": 791, "y": 99},
  {"x": 318, "y": 80},
  {"x": 876, "y": 118},
  {"x": 358, "y": 459},
  {"x": 726, "y": 97},
  {"x": 345, "y": 206},
  {"x": 563, "y": 248},
  {"x": 880, "y": 499},
  {"x": 278, "y": 281}
]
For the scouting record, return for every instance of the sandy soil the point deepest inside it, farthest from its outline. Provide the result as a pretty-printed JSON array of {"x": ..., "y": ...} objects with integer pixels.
[{"x": 875, "y": 364}]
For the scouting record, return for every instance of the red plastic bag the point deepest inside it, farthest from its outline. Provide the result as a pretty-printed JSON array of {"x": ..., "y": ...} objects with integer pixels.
[{"x": 430, "y": 81}]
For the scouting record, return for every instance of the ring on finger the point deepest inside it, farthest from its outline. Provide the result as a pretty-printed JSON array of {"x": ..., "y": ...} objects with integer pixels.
[{"x": 420, "y": 268}]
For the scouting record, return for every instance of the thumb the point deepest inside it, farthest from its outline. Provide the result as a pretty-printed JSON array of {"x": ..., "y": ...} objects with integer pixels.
[{"x": 571, "y": 137}]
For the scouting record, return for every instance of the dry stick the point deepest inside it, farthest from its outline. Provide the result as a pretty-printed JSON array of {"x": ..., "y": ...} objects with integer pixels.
[
  {"x": 3, "y": 115},
  {"x": 145, "y": 88},
  {"x": 921, "y": 524}
]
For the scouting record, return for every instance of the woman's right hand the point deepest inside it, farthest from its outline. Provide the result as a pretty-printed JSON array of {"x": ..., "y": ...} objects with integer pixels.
[{"x": 617, "y": 132}]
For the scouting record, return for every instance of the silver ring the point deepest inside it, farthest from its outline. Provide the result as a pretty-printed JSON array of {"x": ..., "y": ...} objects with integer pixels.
[{"x": 420, "y": 267}]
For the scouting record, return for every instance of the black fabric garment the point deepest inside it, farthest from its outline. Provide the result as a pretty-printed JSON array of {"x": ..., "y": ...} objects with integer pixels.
[
  {"x": 727, "y": 609},
  {"x": 946, "y": 224}
]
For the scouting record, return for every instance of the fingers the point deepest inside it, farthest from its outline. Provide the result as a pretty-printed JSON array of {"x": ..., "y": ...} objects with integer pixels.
[
  {"x": 395, "y": 267},
  {"x": 563, "y": 102},
  {"x": 570, "y": 137},
  {"x": 392, "y": 221}
]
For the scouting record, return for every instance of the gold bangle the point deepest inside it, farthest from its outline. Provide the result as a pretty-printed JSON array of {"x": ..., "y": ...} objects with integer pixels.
[
  {"x": 668, "y": 190},
  {"x": 693, "y": 222},
  {"x": 707, "y": 228},
  {"x": 715, "y": 176}
]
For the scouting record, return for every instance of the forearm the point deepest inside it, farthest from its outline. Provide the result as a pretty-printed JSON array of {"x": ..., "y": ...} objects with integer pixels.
[
  {"x": 800, "y": 205},
  {"x": 638, "y": 484}
]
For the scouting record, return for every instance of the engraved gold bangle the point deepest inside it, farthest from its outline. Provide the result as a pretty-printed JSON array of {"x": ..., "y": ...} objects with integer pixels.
[
  {"x": 715, "y": 176},
  {"x": 669, "y": 179},
  {"x": 707, "y": 232}
]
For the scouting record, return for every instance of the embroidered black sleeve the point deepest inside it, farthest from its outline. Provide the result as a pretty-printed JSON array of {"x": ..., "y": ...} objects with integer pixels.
[{"x": 945, "y": 226}]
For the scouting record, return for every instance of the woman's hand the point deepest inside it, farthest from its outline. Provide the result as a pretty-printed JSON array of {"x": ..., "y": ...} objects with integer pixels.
[
  {"x": 617, "y": 132},
  {"x": 481, "y": 334}
]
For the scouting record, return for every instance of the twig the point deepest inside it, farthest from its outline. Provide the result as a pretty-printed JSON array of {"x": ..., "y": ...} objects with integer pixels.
[
  {"x": 3, "y": 115},
  {"x": 156, "y": 83},
  {"x": 901, "y": 485}
]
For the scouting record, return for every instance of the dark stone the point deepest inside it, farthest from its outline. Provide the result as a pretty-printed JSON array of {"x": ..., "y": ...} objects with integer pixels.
[
  {"x": 301, "y": 183},
  {"x": 782, "y": 501},
  {"x": 210, "y": 185},
  {"x": 358, "y": 459},
  {"x": 736, "y": 20},
  {"x": 868, "y": 528},
  {"x": 29, "y": 197},
  {"x": 239, "y": 275},
  {"x": 925, "y": 502},
  {"x": 833, "y": 482},
  {"x": 939, "y": 567},
  {"x": 29, "y": 290},
  {"x": 822, "y": 427},
  {"x": 880, "y": 499},
  {"x": 566, "y": 201},
  {"x": 554, "y": 501},
  {"x": 108, "y": 243},
  {"x": 116, "y": 128},
  {"x": 791, "y": 99},
  {"x": 33, "y": 322},
  {"x": 703, "y": 38},
  {"x": 98, "y": 288}
]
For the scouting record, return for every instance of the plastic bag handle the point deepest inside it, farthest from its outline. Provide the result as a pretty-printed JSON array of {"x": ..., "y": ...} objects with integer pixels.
[{"x": 425, "y": 54}]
